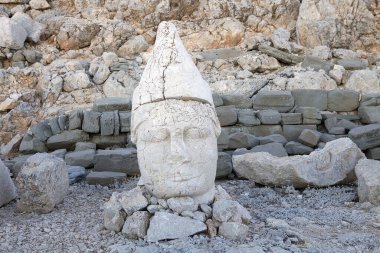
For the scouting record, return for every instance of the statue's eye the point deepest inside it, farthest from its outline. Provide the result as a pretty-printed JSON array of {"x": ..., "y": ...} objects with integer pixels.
[
  {"x": 155, "y": 135},
  {"x": 197, "y": 133}
]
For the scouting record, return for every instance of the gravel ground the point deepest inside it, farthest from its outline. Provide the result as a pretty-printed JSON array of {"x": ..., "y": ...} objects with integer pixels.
[{"x": 284, "y": 220}]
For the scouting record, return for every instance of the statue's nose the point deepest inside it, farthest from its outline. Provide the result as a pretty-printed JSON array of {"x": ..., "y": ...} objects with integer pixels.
[{"x": 178, "y": 151}]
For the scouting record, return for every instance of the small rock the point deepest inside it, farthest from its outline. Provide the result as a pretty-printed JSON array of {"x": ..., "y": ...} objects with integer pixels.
[
  {"x": 181, "y": 204},
  {"x": 233, "y": 230},
  {"x": 114, "y": 214},
  {"x": 136, "y": 225},
  {"x": 7, "y": 188},
  {"x": 230, "y": 210},
  {"x": 368, "y": 174},
  {"x": 39, "y": 4},
  {"x": 133, "y": 200}
]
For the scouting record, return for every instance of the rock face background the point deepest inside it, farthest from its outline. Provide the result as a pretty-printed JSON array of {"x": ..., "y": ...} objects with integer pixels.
[{"x": 60, "y": 55}]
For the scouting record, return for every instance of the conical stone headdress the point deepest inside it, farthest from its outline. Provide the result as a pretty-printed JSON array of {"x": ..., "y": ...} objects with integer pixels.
[{"x": 170, "y": 73}]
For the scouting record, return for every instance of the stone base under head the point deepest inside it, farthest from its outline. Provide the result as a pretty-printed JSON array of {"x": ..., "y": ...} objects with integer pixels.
[
  {"x": 139, "y": 215},
  {"x": 42, "y": 183}
]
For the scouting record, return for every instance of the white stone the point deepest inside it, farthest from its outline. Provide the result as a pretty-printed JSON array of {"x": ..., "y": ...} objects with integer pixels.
[
  {"x": 230, "y": 210},
  {"x": 181, "y": 204},
  {"x": 136, "y": 225},
  {"x": 280, "y": 39},
  {"x": 39, "y": 4},
  {"x": 113, "y": 214},
  {"x": 76, "y": 81},
  {"x": 333, "y": 164},
  {"x": 174, "y": 124},
  {"x": 133, "y": 46},
  {"x": 119, "y": 84},
  {"x": 258, "y": 62},
  {"x": 7, "y": 188},
  {"x": 32, "y": 28},
  {"x": 365, "y": 81},
  {"x": 368, "y": 174},
  {"x": 233, "y": 230},
  {"x": 133, "y": 200},
  {"x": 42, "y": 183},
  {"x": 322, "y": 52},
  {"x": 311, "y": 80},
  {"x": 337, "y": 73},
  {"x": 170, "y": 226},
  {"x": 12, "y": 34}
]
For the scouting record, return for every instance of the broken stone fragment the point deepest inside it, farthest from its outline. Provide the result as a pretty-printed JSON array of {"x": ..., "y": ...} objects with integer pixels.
[
  {"x": 136, "y": 225},
  {"x": 133, "y": 200},
  {"x": 181, "y": 204},
  {"x": 233, "y": 230},
  {"x": 7, "y": 188},
  {"x": 230, "y": 210},
  {"x": 113, "y": 214},
  {"x": 368, "y": 174}
]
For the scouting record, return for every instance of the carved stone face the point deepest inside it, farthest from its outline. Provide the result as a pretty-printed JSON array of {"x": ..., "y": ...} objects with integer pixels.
[{"x": 177, "y": 148}]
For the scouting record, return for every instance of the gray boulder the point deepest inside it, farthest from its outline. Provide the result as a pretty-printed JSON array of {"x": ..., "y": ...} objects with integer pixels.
[
  {"x": 366, "y": 136},
  {"x": 242, "y": 140},
  {"x": 233, "y": 231},
  {"x": 333, "y": 164},
  {"x": 343, "y": 100},
  {"x": 269, "y": 117},
  {"x": 133, "y": 200},
  {"x": 291, "y": 118},
  {"x": 76, "y": 174},
  {"x": 7, "y": 187},
  {"x": 316, "y": 64},
  {"x": 310, "y": 98},
  {"x": 84, "y": 158},
  {"x": 33, "y": 29},
  {"x": 91, "y": 122},
  {"x": 224, "y": 165},
  {"x": 273, "y": 138},
  {"x": 309, "y": 137},
  {"x": 66, "y": 139},
  {"x": 296, "y": 148},
  {"x": 42, "y": 183},
  {"x": 182, "y": 204},
  {"x": 12, "y": 34},
  {"x": 368, "y": 174},
  {"x": 75, "y": 119},
  {"x": 114, "y": 214},
  {"x": 353, "y": 63},
  {"x": 227, "y": 115},
  {"x": 369, "y": 114},
  {"x": 281, "y": 101},
  {"x": 292, "y": 132},
  {"x": 248, "y": 117},
  {"x": 165, "y": 226},
  {"x": 118, "y": 160},
  {"x": 275, "y": 149},
  {"x": 107, "y": 123}
]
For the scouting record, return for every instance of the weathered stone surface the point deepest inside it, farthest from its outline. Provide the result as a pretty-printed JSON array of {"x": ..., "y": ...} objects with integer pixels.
[
  {"x": 7, "y": 187},
  {"x": 291, "y": 118},
  {"x": 373, "y": 153},
  {"x": 292, "y": 132},
  {"x": 275, "y": 149},
  {"x": 39, "y": 4},
  {"x": 105, "y": 177},
  {"x": 316, "y": 64},
  {"x": 114, "y": 215},
  {"x": 136, "y": 225},
  {"x": 352, "y": 64},
  {"x": 343, "y": 100},
  {"x": 32, "y": 28},
  {"x": 76, "y": 80},
  {"x": 224, "y": 165},
  {"x": 364, "y": 81},
  {"x": 311, "y": 80},
  {"x": 296, "y": 148},
  {"x": 233, "y": 230},
  {"x": 133, "y": 200},
  {"x": 125, "y": 121},
  {"x": 242, "y": 140},
  {"x": 369, "y": 114},
  {"x": 248, "y": 117},
  {"x": 13, "y": 35},
  {"x": 54, "y": 126},
  {"x": 107, "y": 123},
  {"x": 239, "y": 101},
  {"x": 66, "y": 139},
  {"x": 133, "y": 46},
  {"x": 119, "y": 160},
  {"x": 170, "y": 226},
  {"x": 309, "y": 137},
  {"x": 372, "y": 99},
  {"x": 264, "y": 130},
  {"x": 217, "y": 99},
  {"x": 83, "y": 158},
  {"x": 91, "y": 122},
  {"x": 31, "y": 144},
  {"x": 368, "y": 174},
  {"x": 257, "y": 62},
  {"x": 329, "y": 166},
  {"x": 76, "y": 174},
  {"x": 337, "y": 73},
  {"x": 41, "y": 131},
  {"x": 269, "y": 117},
  {"x": 281, "y": 101},
  {"x": 366, "y": 136},
  {"x": 280, "y": 55},
  {"x": 227, "y": 210},
  {"x": 310, "y": 115},
  {"x": 81, "y": 146},
  {"x": 75, "y": 119},
  {"x": 111, "y": 104},
  {"x": 182, "y": 204},
  {"x": 273, "y": 138},
  {"x": 42, "y": 183},
  {"x": 280, "y": 39},
  {"x": 102, "y": 141},
  {"x": 310, "y": 98},
  {"x": 227, "y": 115}
]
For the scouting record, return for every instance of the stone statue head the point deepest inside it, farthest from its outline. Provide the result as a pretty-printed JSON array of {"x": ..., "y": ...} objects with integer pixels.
[{"x": 174, "y": 124}]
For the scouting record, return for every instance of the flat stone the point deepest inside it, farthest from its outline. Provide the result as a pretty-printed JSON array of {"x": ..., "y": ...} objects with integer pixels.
[
  {"x": 31, "y": 144},
  {"x": 75, "y": 120},
  {"x": 242, "y": 140},
  {"x": 76, "y": 174},
  {"x": 292, "y": 132},
  {"x": 265, "y": 130},
  {"x": 281, "y": 101},
  {"x": 59, "y": 153},
  {"x": 136, "y": 225},
  {"x": 66, "y": 139},
  {"x": 91, "y": 122},
  {"x": 274, "y": 138},
  {"x": 316, "y": 64},
  {"x": 133, "y": 200},
  {"x": 275, "y": 149},
  {"x": 369, "y": 114},
  {"x": 282, "y": 56},
  {"x": 269, "y": 117},
  {"x": 181, "y": 204},
  {"x": 241, "y": 102},
  {"x": 224, "y": 165},
  {"x": 291, "y": 118},
  {"x": 310, "y": 98},
  {"x": 227, "y": 210},
  {"x": 352, "y": 64},
  {"x": 105, "y": 177},
  {"x": 83, "y": 158},
  {"x": 165, "y": 226},
  {"x": 42, "y": 183},
  {"x": 368, "y": 174},
  {"x": 309, "y": 137},
  {"x": 125, "y": 122},
  {"x": 118, "y": 160},
  {"x": 103, "y": 141},
  {"x": 111, "y": 104},
  {"x": 107, "y": 123},
  {"x": 366, "y": 136},
  {"x": 248, "y": 117},
  {"x": 310, "y": 115},
  {"x": 7, "y": 187},
  {"x": 81, "y": 146},
  {"x": 227, "y": 115},
  {"x": 371, "y": 99},
  {"x": 333, "y": 164},
  {"x": 233, "y": 230},
  {"x": 296, "y": 148},
  {"x": 373, "y": 153},
  {"x": 342, "y": 100}
]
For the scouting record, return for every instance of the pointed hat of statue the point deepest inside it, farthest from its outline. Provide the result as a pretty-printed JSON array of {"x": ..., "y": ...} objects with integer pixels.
[{"x": 170, "y": 73}]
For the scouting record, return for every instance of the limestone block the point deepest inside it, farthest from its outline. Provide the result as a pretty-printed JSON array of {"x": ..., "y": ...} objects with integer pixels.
[
  {"x": 81, "y": 146},
  {"x": 136, "y": 225},
  {"x": 75, "y": 119},
  {"x": 316, "y": 64},
  {"x": 264, "y": 130},
  {"x": 103, "y": 141},
  {"x": 310, "y": 115},
  {"x": 292, "y": 132},
  {"x": 280, "y": 39},
  {"x": 281, "y": 101},
  {"x": 248, "y": 117},
  {"x": 353, "y": 63},
  {"x": 7, "y": 187},
  {"x": 269, "y": 117},
  {"x": 273, "y": 138},
  {"x": 224, "y": 165},
  {"x": 42, "y": 130},
  {"x": 373, "y": 153},
  {"x": 118, "y": 160},
  {"x": 333, "y": 164},
  {"x": 239, "y": 101},
  {"x": 233, "y": 230},
  {"x": 13, "y": 35},
  {"x": 182, "y": 204},
  {"x": 42, "y": 183},
  {"x": 296, "y": 148},
  {"x": 76, "y": 174},
  {"x": 39, "y": 4},
  {"x": 133, "y": 200},
  {"x": 114, "y": 215},
  {"x": 170, "y": 226},
  {"x": 369, "y": 114},
  {"x": 227, "y": 115},
  {"x": 366, "y": 136},
  {"x": 83, "y": 158},
  {"x": 66, "y": 139},
  {"x": 311, "y": 80},
  {"x": 125, "y": 121},
  {"x": 229, "y": 210},
  {"x": 254, "y": 62},
  {"x": 342, "y": 100},
  {"x": 364, "y": 81},
  {"x": 31, "y": 144},
  {"x": 368, "y": 174},
  {"x": 107, "y": 123},
  {"x": 105, "y": 178},
  {"x": 111, "y": 104},
  {"x": 217, "y": 99},
  {"x": 76, "y": 80},
  {"x": 242, "y": 140},
  {"x": 54, "y": 126},
  {"x": 91, "y": 122},
  {"x": 32, "y": 28},
  {"x": 310, "y": 98},
  {"x": 291, "y": 118},
  {"x": 309, "y": 137}
]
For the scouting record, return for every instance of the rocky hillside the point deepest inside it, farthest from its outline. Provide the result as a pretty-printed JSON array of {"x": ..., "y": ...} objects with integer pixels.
[{"x": 56, "y": 56}]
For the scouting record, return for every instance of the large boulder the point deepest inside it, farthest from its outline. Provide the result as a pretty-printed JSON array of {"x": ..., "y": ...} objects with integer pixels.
[
  {"x": 364, "y": 81},
  {"x": 7, "y": 188},
  {"x": 333, "y": 164},
  {"x": 42, "y": 183},
  {"x": 368, "y": 173}
]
